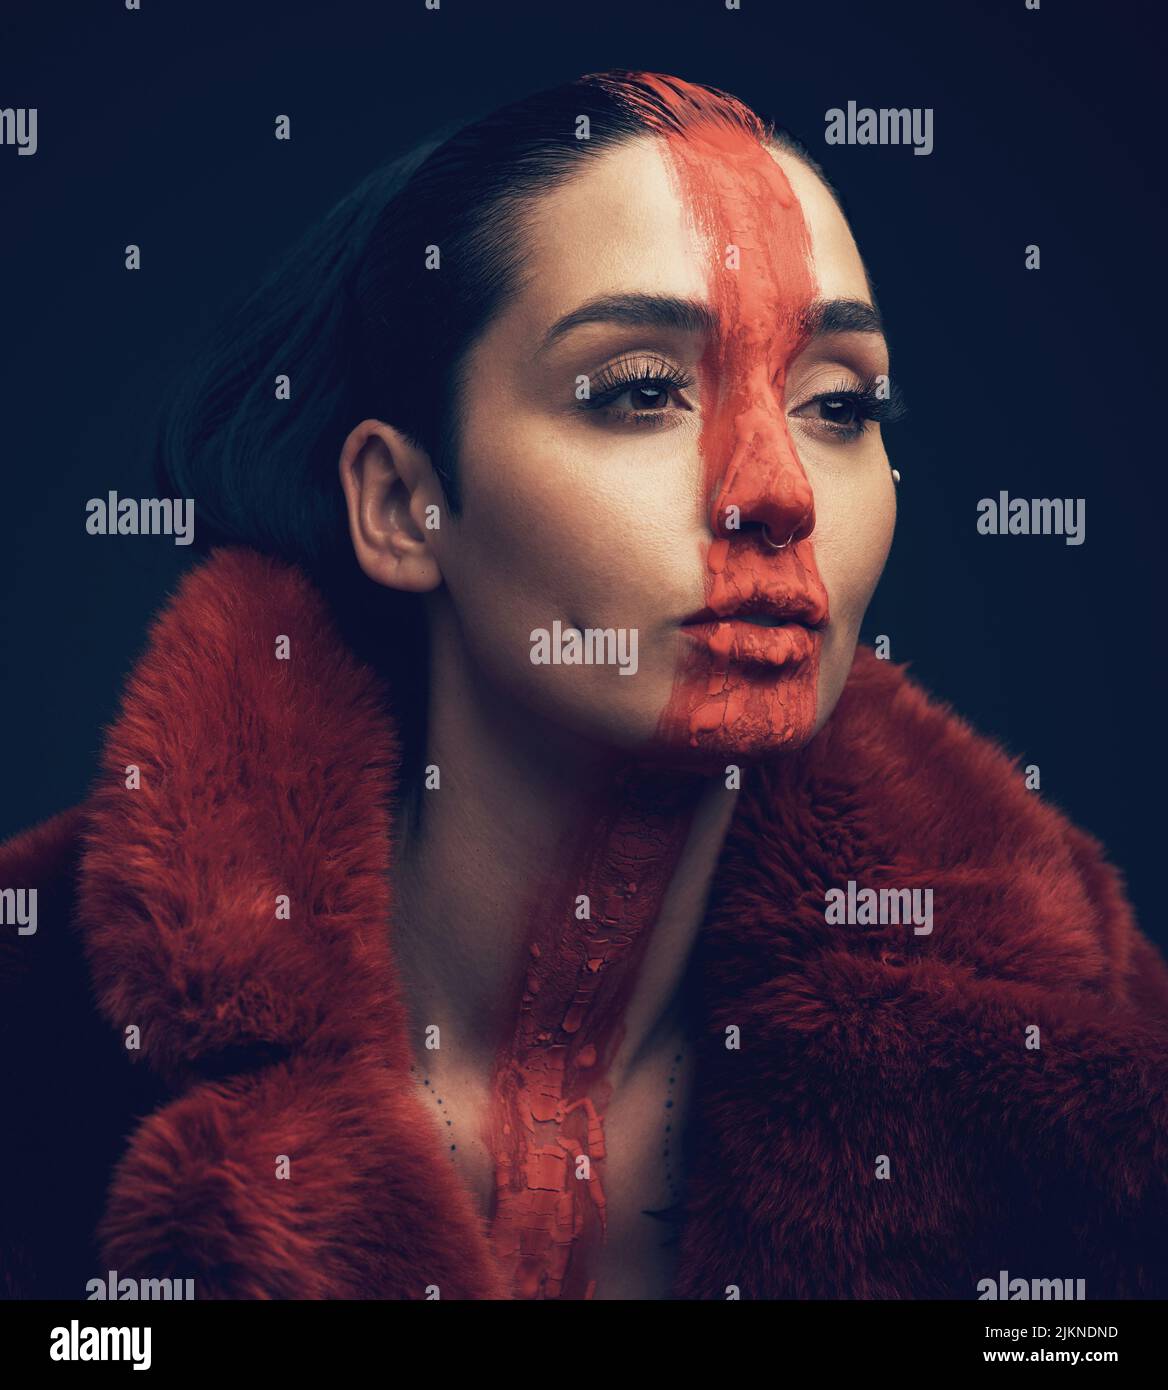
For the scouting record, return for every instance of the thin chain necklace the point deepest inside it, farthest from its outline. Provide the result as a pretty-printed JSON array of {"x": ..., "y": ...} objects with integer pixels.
[
  {"x": 442, "y": 1106},
  {"x": 669, "y": 1148},
  {"x": 670, "y": 1094}
]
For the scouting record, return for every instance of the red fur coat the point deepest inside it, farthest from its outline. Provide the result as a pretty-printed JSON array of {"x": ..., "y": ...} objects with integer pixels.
[{"x": 262, "y": 1037}]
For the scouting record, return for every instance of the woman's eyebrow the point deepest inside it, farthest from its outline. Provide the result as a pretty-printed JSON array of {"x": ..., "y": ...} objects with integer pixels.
[
  {"x": 841, "y": 316},
  {"x": 693, "y": 316},
  {"x": 638, "y": 311}
]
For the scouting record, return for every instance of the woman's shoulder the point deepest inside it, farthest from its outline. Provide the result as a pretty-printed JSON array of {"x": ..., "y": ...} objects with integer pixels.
[
  {"x": 931, "y": 802},
  {"x": 917, "y": 944}
]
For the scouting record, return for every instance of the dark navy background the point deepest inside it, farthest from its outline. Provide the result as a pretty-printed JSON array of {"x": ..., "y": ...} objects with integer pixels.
[{"x": 157, "y": 128}]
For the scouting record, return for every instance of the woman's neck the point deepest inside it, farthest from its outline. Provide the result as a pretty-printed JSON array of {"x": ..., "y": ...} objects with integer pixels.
[
  {"x": 532, "y": 839},
  {"x": 547, "y": 903}
]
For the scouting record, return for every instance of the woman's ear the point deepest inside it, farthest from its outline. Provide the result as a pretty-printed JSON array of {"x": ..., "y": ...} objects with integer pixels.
[{"x": 391, "y": 493}]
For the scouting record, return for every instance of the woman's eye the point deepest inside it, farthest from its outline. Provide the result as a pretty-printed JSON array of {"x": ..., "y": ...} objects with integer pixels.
[
  {"x": 651, "y": 398},
  {"x": 838, "y": 415},
  {"x": 838, "y": 410},
  {"x": 645, "y": 396}
]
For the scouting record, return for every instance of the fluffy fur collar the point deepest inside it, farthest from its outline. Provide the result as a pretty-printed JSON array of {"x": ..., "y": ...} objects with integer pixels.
[{"x": 261, "y": 776}]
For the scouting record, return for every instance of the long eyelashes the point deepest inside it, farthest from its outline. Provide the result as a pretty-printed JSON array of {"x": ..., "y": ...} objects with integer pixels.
[
  {"x": 844, "y": 410},
  {"x": 651, "y": 378}
]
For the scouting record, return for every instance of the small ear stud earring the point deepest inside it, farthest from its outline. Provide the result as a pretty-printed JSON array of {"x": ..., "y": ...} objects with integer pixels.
[
  {"x": 896, "y": 476},
  {"x": 766, "y": 535}
]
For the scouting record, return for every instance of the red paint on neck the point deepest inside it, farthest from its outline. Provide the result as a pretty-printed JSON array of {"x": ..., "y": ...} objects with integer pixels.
[{"x": 551, "y": 1077}]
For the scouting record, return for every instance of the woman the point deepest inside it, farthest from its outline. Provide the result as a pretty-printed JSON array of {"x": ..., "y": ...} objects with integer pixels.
[{"x": 507, "y": 879}]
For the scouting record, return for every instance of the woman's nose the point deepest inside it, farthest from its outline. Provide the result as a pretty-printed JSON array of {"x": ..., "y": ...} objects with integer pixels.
[{"x": 764, "y": 485}]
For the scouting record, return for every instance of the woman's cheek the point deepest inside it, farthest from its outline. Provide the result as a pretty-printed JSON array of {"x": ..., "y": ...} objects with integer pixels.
[{"x": 853, "y": 535}]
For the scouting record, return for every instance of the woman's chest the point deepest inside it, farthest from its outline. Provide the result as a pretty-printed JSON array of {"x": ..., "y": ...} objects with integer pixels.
[{"x": 592, "y": 1215}]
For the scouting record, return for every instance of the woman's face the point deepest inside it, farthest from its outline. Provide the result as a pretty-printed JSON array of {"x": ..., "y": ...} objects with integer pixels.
[{"x": 625, "y": 514}]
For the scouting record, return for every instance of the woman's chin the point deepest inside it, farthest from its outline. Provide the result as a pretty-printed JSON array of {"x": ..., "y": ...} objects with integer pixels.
[{"x": 718, "y": 752}]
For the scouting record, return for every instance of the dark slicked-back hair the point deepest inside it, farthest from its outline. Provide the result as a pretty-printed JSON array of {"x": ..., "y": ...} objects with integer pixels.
[{"x": 360, "y": 325}]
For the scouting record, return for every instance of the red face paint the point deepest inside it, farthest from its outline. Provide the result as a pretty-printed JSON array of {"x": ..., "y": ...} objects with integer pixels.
[
  {"x": 750, "y": 687},
  {"x": 741, "y": 686}
]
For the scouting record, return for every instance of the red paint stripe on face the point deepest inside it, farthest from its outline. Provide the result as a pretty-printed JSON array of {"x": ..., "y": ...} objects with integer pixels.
[{"x": 741, "y": 689}]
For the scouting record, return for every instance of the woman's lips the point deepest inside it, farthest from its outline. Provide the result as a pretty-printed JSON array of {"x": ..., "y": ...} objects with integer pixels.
[{"x": 755, "y": 644}]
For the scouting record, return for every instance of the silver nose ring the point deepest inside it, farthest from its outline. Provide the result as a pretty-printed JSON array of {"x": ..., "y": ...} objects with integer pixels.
[{"x": 766, "y": 535}]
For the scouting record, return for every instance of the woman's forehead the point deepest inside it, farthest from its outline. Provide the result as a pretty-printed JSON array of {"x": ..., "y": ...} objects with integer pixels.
[{"x": 623, "y": 223}]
